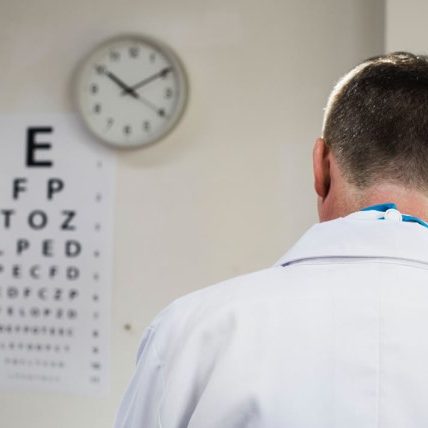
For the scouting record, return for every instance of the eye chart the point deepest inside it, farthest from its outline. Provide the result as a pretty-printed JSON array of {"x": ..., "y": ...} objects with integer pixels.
[{"x": 56, "y": 228}]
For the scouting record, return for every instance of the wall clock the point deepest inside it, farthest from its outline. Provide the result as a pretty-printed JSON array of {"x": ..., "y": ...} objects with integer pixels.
[{"x": 131, "y": 91}]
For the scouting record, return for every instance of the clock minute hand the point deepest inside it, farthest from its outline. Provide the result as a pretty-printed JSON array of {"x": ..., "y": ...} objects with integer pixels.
[
  {"x": 147, "y": 80},
  {"x": 124, "y": 86}
]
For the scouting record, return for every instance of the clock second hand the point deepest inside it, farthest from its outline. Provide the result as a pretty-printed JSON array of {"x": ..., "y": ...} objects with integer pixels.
[{"x": 146, "y": 102}]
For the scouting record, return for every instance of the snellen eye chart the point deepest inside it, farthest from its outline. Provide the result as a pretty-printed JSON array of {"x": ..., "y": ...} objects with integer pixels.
[{"x": 56, "y": 240}]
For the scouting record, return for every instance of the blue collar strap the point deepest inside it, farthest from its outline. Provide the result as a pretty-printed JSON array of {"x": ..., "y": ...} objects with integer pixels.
[{"x": 390, "y": 205}]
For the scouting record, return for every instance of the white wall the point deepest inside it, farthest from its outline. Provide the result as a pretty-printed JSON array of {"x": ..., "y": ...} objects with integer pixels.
[
  {"x": 406, "y": 28},
  {"x": 231, "y": 188}
]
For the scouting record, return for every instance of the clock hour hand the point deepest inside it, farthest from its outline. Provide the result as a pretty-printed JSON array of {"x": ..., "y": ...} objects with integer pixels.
[
  {"x": 161, "y": 73},
  {"x": 124, "y": 86}
]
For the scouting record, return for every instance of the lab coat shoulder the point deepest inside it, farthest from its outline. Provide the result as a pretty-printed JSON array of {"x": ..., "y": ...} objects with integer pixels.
[
  {"x": 182, "y": 345},
  {"x": 201, "y": 316},
  {"x": 201, "y": 310}
]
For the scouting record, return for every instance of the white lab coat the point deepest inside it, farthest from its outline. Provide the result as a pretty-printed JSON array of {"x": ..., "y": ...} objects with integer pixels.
[{"x": 335, "y": 335}]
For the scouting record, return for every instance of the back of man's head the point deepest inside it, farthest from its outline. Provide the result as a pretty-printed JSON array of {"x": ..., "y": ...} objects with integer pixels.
[{"x": 376, "y": 122}]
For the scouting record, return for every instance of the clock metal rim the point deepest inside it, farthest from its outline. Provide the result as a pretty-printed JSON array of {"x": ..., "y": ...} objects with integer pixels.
[{"x": 182, "y": 81}]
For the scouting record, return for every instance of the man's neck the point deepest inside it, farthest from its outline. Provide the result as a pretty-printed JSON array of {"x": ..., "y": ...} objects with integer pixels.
[{"x": 408, "y": 201}]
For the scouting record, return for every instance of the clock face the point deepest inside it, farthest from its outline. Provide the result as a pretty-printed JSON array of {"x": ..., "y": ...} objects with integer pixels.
[{"x": 131, "y": 91}]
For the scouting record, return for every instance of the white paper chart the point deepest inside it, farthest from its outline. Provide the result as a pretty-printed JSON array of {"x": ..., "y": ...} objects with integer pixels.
[{"x": 56, "y": 228}]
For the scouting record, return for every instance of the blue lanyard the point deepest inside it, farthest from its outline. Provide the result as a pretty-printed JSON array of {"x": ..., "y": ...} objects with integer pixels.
[{"x": 390, "y": 205}]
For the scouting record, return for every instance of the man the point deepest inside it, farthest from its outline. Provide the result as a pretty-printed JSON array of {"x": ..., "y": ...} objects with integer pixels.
[{"x": 335, "y": 334}]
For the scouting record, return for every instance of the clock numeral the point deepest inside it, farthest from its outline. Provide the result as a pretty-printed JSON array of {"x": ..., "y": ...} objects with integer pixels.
[
  {"x": 93, "y": 88},
  {"x": 134, "y": 51},
  {"x": 110, "y": 122},
  {"x": 127, "y": 129},
  {"x": 100, "y": 69},
  {"x": 97, "y": 108},
  {"x": 162, "y": 112},
  {"x": 146, "y": 126},
  {"x": 169, "y": 93},
  {"x": 114, "y": 55}
]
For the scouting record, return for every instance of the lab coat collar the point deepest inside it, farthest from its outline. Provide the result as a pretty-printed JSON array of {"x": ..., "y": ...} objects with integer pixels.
[{"x": 361, "y": 234}]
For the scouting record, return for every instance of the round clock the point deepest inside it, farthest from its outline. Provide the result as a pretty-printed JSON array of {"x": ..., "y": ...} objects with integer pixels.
[{"x": 131, "y": 91}]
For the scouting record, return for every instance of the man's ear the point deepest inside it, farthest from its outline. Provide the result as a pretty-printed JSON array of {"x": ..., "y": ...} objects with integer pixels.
[{"x": 321, "y": 167}]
